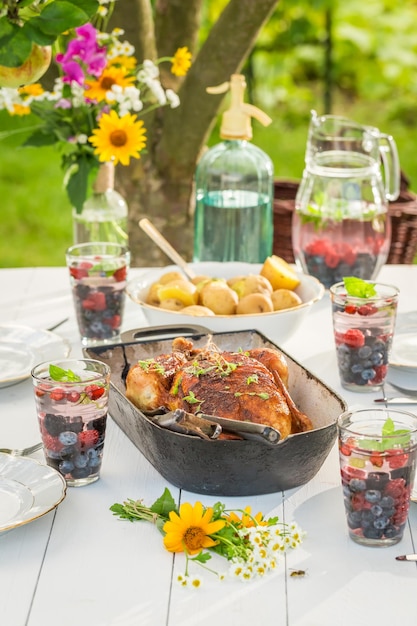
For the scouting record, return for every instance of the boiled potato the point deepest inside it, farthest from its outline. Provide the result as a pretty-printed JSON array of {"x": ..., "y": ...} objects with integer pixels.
[
  {"x": 152, "y": 298},
  {"x": 235, "y": 279},
  {"x": 279, "y": 273},
  {"x": 253, "y": 304},
  {"x": 171, "y": 304},
  {"x": 197, "y": 310},
  {"x": 285, "y": 299},
  {"x": 206, "y": 281},
  {"x": 270, "y": 290},
  {"x": 253, "y": 283},
  {"x": 200, "y": 279},
  {"x": 182, "y": 290},
  {"x": 168, "y": 277},
  {"x": 217, "y": 296}
]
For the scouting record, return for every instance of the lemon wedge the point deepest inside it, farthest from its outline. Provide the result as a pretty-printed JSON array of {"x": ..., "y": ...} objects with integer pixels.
[
  {"x": 279, "y": 273},
  {"x": 181, "y": 290}
]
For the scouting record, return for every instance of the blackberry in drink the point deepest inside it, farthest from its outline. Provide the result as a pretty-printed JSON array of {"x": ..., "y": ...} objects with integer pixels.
[
  {"x": 71, "y": 398},
  {"x": 378, "y": 456},
  {"x": 363, "y": 331},
  {"x": 98, "y": 274}
]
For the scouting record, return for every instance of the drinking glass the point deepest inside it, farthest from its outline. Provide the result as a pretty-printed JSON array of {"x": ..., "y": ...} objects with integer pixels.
[
  {"x": 98, "y": 274},
  {"x": 363, "y": 332},
  {"x": 378, "y": 453},
  {"x": 71, "y": 398}
]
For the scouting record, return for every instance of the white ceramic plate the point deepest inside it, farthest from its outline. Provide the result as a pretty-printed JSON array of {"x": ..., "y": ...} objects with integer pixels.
[
  {"x": 404, "y": 350},
  {"x": 28, "y": 490},
  {"x": 22, "y": 347}
]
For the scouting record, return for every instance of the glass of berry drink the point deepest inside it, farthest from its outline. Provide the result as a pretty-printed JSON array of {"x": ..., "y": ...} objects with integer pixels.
[
  {"x": 98, "y": 274},
  {"x": 363, "y": 331},
  {"x": 71, "y": 399},
  {"x": 378, "y": 454}
]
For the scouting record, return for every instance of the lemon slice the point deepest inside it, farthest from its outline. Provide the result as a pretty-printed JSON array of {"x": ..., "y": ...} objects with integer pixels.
[
  {"x": 279, "y": 273},
  {"x": 181, "y": 290}
]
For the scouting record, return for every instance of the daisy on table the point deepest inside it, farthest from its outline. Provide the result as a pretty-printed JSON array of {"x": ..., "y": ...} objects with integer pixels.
[{"x": 251, "y": 543}]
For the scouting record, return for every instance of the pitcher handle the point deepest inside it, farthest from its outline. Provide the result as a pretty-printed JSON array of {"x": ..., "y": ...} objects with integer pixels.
[{"x": 390, "y": 160}]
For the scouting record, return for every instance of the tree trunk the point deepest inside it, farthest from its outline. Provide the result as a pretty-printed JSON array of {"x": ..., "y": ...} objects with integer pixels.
[{"x": 160, "y": 184}]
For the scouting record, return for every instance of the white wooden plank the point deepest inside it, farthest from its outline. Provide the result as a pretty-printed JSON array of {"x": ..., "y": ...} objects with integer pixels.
[{"x": 98, "y": 568}]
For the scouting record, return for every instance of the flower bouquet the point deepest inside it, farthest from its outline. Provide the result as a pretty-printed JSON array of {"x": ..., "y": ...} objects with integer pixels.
[
  {"x": 93, "y": 111},
  {"x": 249, "y": 542}
]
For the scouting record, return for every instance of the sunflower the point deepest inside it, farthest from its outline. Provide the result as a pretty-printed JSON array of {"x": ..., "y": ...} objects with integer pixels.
[
  {"x": 118, "y": 138},
  {"x": 190, "y": 530},
  {"x": 247, "y": 520},
  {"x": 112, "y": 75},
  {"x": 181, "y": 62}
]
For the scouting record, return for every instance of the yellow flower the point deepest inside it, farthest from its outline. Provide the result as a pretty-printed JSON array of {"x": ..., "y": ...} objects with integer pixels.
[
  {"x": 247, "y": 520},
  {"x": 128, "y": 63},
  {"x": 181, "y": 62},
  {"x": 20, "y": 109},
  {"x": 33, "y": 90},
  {"x": 97, "y": 89},
  {"x": 189, "y": 531},
  {"x": 118, "y": 138}
]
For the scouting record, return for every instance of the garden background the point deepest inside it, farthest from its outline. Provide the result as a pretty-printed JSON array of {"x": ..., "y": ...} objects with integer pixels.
[{"x": 357, "y": 59}]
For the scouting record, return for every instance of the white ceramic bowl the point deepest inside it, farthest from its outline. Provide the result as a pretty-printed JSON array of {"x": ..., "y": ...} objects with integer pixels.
[{"x": 278, "y": 325}]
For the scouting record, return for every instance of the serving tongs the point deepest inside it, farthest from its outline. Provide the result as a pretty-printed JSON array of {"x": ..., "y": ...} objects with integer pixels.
[{"x": 211, "y": 426}]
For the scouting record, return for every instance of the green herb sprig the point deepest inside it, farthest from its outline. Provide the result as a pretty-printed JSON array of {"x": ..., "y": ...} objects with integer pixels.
[
  {"x": 359, "y": 288},
  {"x": 63, "y": 376},
  {"x": 391, "y": 438}
]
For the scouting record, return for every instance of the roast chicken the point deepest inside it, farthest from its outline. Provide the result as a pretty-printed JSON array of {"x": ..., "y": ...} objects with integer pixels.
[{"x": 246, "y": 386}]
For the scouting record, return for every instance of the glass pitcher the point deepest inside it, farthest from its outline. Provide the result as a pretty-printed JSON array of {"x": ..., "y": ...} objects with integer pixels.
[{"x": 341, "y": 225}]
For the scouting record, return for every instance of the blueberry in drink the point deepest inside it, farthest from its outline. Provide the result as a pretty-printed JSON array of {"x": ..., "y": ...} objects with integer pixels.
[
  {"x": 363, "y": 332},
  {"x": 377, "y": 474},
  {"x": 72, "y": 414},
  {"x": 98, "y": 274}
]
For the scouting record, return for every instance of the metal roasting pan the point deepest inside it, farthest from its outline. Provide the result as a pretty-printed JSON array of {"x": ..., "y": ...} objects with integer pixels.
[{"x": 222, "y": 467}]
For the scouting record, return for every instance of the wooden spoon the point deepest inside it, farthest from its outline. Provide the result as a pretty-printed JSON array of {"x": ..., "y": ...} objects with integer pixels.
[{"x": 165, "y": 246}]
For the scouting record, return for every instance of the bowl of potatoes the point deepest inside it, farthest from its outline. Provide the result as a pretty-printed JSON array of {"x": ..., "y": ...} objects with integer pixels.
[{"x": 271, "y": 297}]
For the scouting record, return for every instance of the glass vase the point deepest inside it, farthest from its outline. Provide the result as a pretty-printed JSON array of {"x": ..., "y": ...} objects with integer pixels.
[{"x": 104, "y": 214}]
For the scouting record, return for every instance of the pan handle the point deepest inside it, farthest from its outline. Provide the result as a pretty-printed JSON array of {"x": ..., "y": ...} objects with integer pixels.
[{"x": 174, "y": 330}]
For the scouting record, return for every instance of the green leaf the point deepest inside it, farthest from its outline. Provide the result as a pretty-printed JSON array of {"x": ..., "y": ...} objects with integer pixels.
[
  {"x": 32, "y": 29},
  {"x": 359, "y": 288},
  {"x": 55, "y": 18},
  {"x": 203, "y": 557},
  {"x": 389, "y": 427},
  {"x": 15, "y": 47},
  {"x": 120, "y": 510},
  {"x": 40, "y": 138},
  {"x": 391, "y": 438},
  {"x": 88, "y": 6},
  {"x": 66, "y": 376},
  {"x": 58, "y": 17},
  {"x": 164, "y": 505},
  {"x": 77, "y": 185}
]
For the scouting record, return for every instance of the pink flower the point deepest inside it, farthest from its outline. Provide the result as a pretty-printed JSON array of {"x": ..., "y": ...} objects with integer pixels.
[
  {"x": 72, "y": 71},
  {"x": 63, "y": 104},
  {"x": 86, "y": 50}
]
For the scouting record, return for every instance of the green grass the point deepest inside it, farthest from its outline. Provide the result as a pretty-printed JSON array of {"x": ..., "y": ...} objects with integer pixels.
[{"x": 36, "y": 214}]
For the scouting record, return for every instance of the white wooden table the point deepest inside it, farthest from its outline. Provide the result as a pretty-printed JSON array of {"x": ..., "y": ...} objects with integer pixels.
[{"x": 81, "y": 565}]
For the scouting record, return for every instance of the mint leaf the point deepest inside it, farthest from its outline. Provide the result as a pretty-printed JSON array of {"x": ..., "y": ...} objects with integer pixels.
[
  {"x": 391, "y": 438},
  {"x": 359, "y": 288},
  {"x": 388, "y": 427},
  {"x": 63, "y": 376}
]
